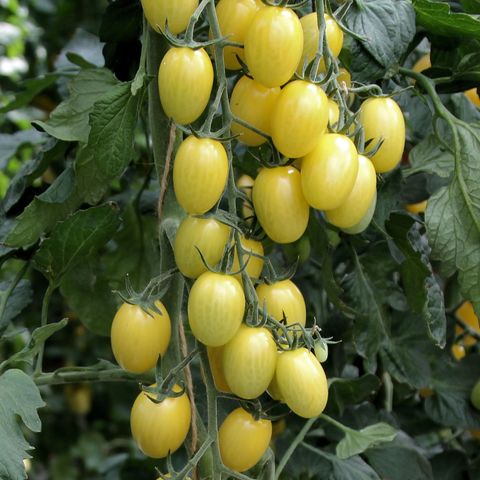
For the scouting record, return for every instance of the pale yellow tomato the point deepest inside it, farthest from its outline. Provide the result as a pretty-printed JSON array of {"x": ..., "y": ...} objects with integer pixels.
[
  {"x": 215, "y": 360},
  {"x": 176, "y": 13},
  {"x": 365, "y": 220},
  {"x": 254, "y": 265},
  {"x": 245, "y": 184},
  {"x": 333, "y": 112}
]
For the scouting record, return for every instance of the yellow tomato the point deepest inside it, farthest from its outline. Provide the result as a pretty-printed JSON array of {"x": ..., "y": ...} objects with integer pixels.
[
  {"x": 234, "y": 19},
  {"x": 356, "y": 205},
  {"x": 245, "y": 184},
  {"x": 333, "y": 33},
  {"x": 472, "y": 95},
  {"x": 365, "y": 220},
  {"x": 466, "y": 313},
  {"x": 208, "y": 235},
  {"x": 200, "y": 174},
  {"x": 419, "y": 207},
  {"x": 382, "y": 119},
  {"x": 215, "y": 359},
  {"x": 273, "y": 45},
  {"x": 278, "y": 427},
  {"x": 273, "y": 389},
  {"x": 329, "y": 172},
  {"x": 333, "y": 112},
  {"x": 79, "y": 398},
  {"x": 344, "y": 77},
  {"x": 254, "y": 265},
  {"x": 176, "y": 13},
  {"x": 279, "y": 204},
  {"x": 458, "y": 351},
  {"x": 422, "y": 63},
  {"x": 254, "y": 103}
]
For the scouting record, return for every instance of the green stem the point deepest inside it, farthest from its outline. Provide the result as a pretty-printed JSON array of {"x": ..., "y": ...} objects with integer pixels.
[
  {"x": 44, "y": 320},
  {"x": 296, "y": 441},
  {"x": 335, "y": 423}
]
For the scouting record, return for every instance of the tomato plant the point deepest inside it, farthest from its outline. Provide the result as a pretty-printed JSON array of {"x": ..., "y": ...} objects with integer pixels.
[{"x": 176, "y": 15}]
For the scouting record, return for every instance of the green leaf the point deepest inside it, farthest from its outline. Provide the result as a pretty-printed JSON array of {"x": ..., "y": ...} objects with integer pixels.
[
  {"x": 363, "y": 66},
  {"x": 14, "y": 386},
  {"x": 449, "y": 465},
  {"x": 350, "y": 391},
  {"x": 39, "y": 336},
  {"x": 69, "y": 121},
  {"x": 110, "y": 145},
  {"x": 389, "y": 42},
  {"x": 10, "y": 143},
  {"x": 357, "y": 441},
  {"x": 122, "y": 21},
  {"x": 423, "y": 292},
  {"x": 388, "y": 200},
  {"x": 453, "y": 216},
  {"x": 88, "y": 281},
  {"x": 437, "y": 18},
  {"x": 10, "y": 307},
  {"x": 75, "y": 239},
  {"x": 471, "y": 6}
]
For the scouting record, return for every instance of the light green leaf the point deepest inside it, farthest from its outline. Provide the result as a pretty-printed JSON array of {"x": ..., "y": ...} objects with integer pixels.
[{"x": 15, "y": 385}]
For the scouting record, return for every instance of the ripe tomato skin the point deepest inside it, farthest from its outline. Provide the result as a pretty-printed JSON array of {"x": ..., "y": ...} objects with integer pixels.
[
  {"x": 200, "y": 174},
  {"x": 249, "y": 361},
  {"x": 215, "y": 308},
  {"x": 279, "y": 204},
  {"x": 245, "y": 184},
  {"x": 160, "y": 428},
  {"x": 364, "y": 221},
  {"x": 254, "y": 265},
  {"x": 243, "y": 440},
  {"x": 185, "y": 80},
  {"x": 382, "y": 118},
  {"x": 283, "y": 299},
  {"x": 299, "y": 118},
  {"x": 419, "y": 207},
  {"x": 234, "y": 19},
  {"x": 458, "y": 351},
  {"x": 310, "y": 38},
  {"x": 254, "y": 103},
  {"x": 273, "y": 45},
  {"x": 356, "y": 205},
  {"x": 176, "y": 13},
  {"x": 329, "y": 171},
  {"x": 475, "y": 395},
  {"x": 466, "y": 313},
  {"x": 208, "y": 235},
  {"x": 333, "y": 112},
  {"x": 302, "y": 382},
  {"x": 215, "y": 360},
  {"x": 138, "y": 338}
]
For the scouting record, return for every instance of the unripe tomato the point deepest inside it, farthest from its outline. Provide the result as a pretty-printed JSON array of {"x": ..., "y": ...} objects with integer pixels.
[
  {"x": 279, "y": 203},
  {"x": 302, "y": 382},
  {"x": 321, "y": 350},
  {"x": 419, "y": 207},
  {"x": 234, "y": 19},
  {"x": 138, "y": 338},
  {"x": 200, "y": 174},
  {"x": 243, "y": 440},
  {"x": 472, "y": 95},
  {"x": 79, "y": 398},
  {"x": 206, "y": 234},
  {"x": 215, "y": 308},
  {"x": 382, "y": 119},
  {"x": 215, "y": 360},
  {"x": 333, "y": 112},
  {"x": 475, "y": 395},
  {"x": 422, "y": 63},
  {"x": 356, "y": 205},
  {"x": 254, "y": 103},
  {"x": 160, "y": 428},
  {"x": 329, "y": 171},
  {"x": 344, "y": 77},
  {"x": 466, "y": 313},
  {"x": 176, "y": 13},
  {"x": 185, "y": 80},
  {"x": 333, "y": 34},
  {"x": 458, "y": 351},
  {"x": 426, "y": 392},
  {"x": 254, "y": 265},
  {"x": 273, "y": 45},
  {"x": 245, "y": 184},
  {"x": 299, "y": 118},
  {"x": 365, "y": 221},
  {"x": 249, "y": 361},
  {"x": 283, "y": 300}
]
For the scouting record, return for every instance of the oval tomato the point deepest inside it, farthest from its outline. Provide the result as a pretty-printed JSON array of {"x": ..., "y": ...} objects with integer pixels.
[
  {"x": 160, "y": 428},
  {"x": 299, "y": 118},
  {"x": 333, "y": 112},
  {"x": 138, "y": 338},
  {"x": 302, "y": 382},
  {"x": 185, "y": 80},
  {"x": 79, "y": 398},
  {"x": 329, "y": 171},
  {"x": 208, "y": 235},
  {"x": 200, "y": 174},
  {"x": 273, "y": 45},
  {"x": 344, "y": 77},
  {"x": 458, "y": 351},
  {"x": 243, "y": 440},
  {"x": 365, "y": 221},
  {"x": 419, "y": 207},
  {"x": 475, "y": 395},
  {"x": 273, "y": 390},
  {"x": 279, "y": 203},
  {"x": 253, "y": 103},
  {"x": 249, "y": 360},
  {"x": 176, "y": 13},
  {"x": 254, "y": 265},
  {"x": 333, "y": 33},
  {"x": 283, "y": 300},
  {"x": 466, "y": 313},
  {"x": 216, "y": 305},
  {"x": 382, "y": 119},
  {"x": 472, "y": 95},
  {"x": 321, "y": 350},
  {"x": 234, "y": 19},
  {"x": 358, "y": 202},
  {"x": 245, "y": 184},
  {"x": 215, "y": 360}
]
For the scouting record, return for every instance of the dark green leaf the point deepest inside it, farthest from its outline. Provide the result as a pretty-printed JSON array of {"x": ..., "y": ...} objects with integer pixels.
[
  {"x": 10, "y": 143},
  {"x": 437, "y": 19},
  {"x": 10, "y": 307},
  {"x": 122, "y": 21},
  {"x": 449, "y": 465},
  {"x": 471, "y": 6},
  {"x": 363, "y": 66},
  {"x": 75, "y": 239},
  {"x": 14, "y": 386},
  {"x": 387, "y": 197}
]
